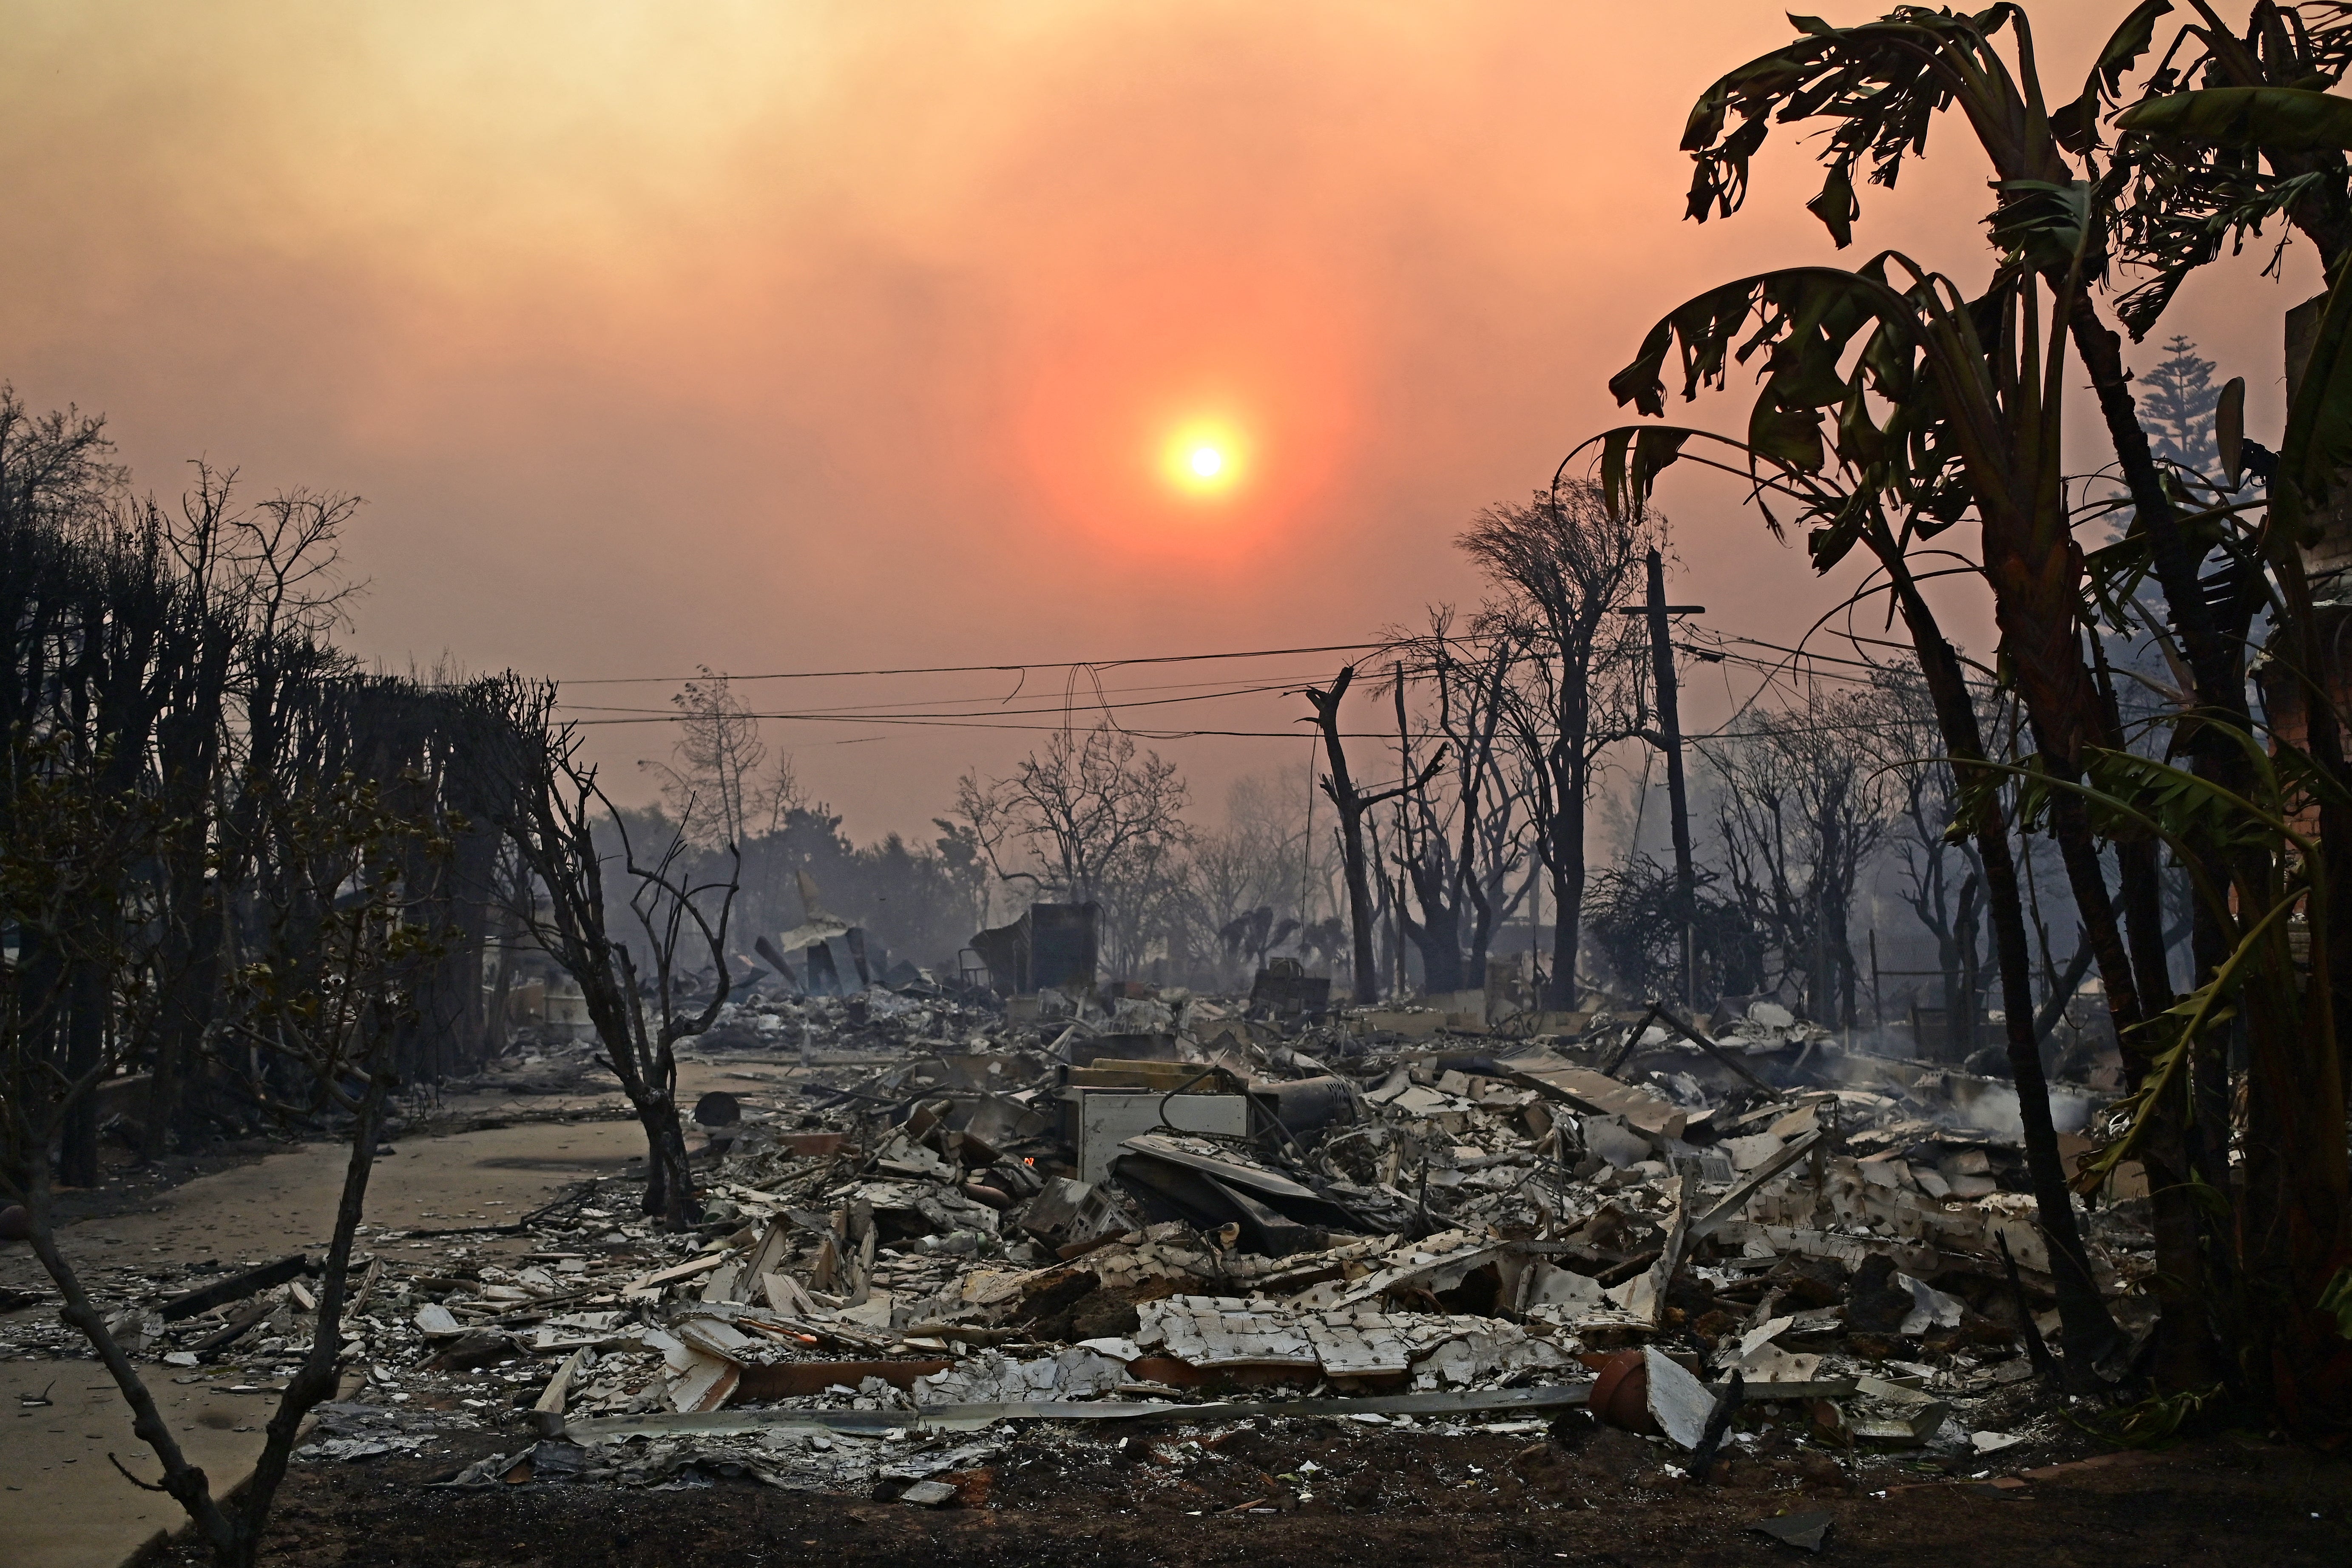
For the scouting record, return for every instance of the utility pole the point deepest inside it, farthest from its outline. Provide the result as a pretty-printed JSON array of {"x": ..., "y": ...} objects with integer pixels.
[
  {"x": 1396, "y": 921},
  {"x": 1878, "y": 1002},
  {"x": 1668, "y": 737},
  {"x": 1535, "y": 929}
]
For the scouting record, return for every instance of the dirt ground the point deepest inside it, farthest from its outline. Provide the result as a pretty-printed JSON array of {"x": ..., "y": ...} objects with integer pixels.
[{"x": 1388, "y": 1499}]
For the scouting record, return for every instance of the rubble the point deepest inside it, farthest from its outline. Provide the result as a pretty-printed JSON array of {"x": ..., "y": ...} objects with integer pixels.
[
  {"x": 930, "y": 1213},
  {"x": 1808, "y": 1531}
]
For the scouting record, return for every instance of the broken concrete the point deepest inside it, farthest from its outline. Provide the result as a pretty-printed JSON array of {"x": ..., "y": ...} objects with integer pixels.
[{"x": 911, "y": 1225}]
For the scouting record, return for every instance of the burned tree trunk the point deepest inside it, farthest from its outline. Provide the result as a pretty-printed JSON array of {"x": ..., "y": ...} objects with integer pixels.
[
  {"x": 1453, "y": 846},
  {"x": 1964, "y": 987},
  {"x": 1562, "y": 564},
  {"x": 548, "y": 807},
  {"x": 1352, "y": 805}
]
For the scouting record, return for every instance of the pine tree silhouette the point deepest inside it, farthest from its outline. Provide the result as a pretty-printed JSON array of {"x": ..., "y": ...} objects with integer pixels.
[{"x": 2175, "y": 409}]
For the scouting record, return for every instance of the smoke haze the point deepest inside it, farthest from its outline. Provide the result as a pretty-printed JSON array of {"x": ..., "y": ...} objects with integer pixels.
[{"x": 832, "y": 336}]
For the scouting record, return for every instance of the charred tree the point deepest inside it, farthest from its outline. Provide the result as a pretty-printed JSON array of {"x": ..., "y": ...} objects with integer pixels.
[
  {"x": 1352, "y": 804},
  {"x": 1457, "y": 830},
  {"x": 1562, "y": 566},
  {"x": 550, "y": 808}
]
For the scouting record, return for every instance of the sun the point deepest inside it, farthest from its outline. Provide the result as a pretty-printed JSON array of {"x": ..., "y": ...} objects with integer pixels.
[{"x": 1205, "y": 458}]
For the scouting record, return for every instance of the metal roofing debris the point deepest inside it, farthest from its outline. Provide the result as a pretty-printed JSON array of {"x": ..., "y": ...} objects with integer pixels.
[{"x": 912, "y": 1227}]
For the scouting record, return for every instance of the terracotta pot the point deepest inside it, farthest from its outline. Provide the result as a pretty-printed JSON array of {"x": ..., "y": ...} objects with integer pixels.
[{"x": 1621, "y": 1395}]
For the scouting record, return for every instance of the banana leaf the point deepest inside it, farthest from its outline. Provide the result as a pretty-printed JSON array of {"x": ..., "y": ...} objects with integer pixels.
[{"x": 2284, "y": 119}]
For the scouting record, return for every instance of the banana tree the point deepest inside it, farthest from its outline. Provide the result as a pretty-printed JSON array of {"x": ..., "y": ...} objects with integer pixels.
[
  {"x": 1934, "y": 405},
  {"x": 1950, "y": 404},
  {"x": 2264, "y": 142},
  {"x": 1881, "y": 86},
  {"x": 1849, "y": 508},
  {"x": 1926, "y": 405},
  {"x": 2186, "y": 171},
  {"x": 2261, "y": 141}
]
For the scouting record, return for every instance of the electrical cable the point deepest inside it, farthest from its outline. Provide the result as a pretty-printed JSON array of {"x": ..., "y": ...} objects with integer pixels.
[{"x": 984, "y": 669}]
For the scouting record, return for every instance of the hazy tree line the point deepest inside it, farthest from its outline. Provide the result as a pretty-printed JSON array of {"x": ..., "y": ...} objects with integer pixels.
[
  {"x": 244, "y": 884},
  {"x": 1465, "y": 829},
  {"x": 182, "y": 734}
]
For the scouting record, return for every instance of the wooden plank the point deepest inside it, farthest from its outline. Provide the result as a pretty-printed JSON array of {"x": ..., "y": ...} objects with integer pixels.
[
  {"x": 661, "y": 1277},
  {"x": 237, "y": 1286}
]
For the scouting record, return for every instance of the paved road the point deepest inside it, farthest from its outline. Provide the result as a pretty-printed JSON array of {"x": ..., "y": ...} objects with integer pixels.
[{"x": 62, "y": 1505}]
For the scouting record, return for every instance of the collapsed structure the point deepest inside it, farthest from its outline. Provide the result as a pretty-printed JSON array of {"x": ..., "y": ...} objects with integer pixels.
[{"x": 927, "y": 1214}]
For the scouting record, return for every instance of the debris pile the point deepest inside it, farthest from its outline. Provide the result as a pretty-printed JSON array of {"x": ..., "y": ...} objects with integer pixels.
[{"x": 930, "y": 1215}]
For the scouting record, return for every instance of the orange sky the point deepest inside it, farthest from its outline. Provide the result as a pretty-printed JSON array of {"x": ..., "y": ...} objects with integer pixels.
[{"x": 806, "y": 336}]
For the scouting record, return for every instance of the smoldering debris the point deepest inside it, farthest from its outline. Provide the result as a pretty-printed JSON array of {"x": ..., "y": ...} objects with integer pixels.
[{"x": 933, "y": 1217}]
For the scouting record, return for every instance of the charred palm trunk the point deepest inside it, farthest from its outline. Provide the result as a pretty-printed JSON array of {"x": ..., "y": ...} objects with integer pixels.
[{"x": 2088, "y": 1333}]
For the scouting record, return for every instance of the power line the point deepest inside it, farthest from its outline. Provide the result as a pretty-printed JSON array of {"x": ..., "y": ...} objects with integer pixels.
[
  {"x": 1224, "y": 689},
  {"x": 1805, "y": 653},
  {"x": 1072, "y": 704},
  {"x": 656, "y": 715},
  {"x": 987, "y": 669},
  {"x": 959, "y": 723},
  {"x": 967, "y": 712}
]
